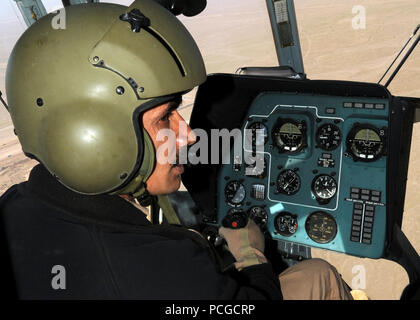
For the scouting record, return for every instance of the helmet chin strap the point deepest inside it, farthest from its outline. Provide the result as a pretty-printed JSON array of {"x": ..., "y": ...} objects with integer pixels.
[
  {"x": 168, "y": 211},
  {"x": 137, "y": 188},
  {"x": 146, "y": 199}
]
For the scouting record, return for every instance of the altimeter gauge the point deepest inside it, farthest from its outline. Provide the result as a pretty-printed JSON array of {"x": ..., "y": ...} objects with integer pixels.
[{"x": 328, "y": 137}]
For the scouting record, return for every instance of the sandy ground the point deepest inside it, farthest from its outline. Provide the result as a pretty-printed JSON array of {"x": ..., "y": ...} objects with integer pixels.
[{"x": 233, "y": 34}]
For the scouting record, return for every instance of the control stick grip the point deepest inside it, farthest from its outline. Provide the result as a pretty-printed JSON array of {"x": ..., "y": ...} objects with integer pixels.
[{"x": 235, "y": 220}]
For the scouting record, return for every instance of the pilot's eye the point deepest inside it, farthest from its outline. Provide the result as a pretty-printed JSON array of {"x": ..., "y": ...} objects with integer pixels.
[{"x": 166, "y": 116}]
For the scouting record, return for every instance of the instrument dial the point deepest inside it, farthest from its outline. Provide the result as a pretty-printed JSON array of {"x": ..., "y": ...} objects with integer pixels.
[
  {"x": 324, "y": 187},
  {"x": 289, "y": 135},
  {"x": 321, "y": 227},
  {"x": 366, "y": 142},
  {"x": 254, "y": 137},
  {"x": 235, "y": 193},
  {"x": 259, "y": 215},
  {"x": 328, "y": 137},
  {"x": 256, "y": 166},
  {"x": 288, "y": 182},
  {"x": 286, "y": 223}
]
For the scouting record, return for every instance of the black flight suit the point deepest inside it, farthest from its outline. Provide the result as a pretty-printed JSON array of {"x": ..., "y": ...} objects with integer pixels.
[{"x": 105, "y": 248}]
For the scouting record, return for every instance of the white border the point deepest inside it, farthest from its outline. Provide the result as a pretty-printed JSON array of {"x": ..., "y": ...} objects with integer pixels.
[{"x": 269, "y": 154}]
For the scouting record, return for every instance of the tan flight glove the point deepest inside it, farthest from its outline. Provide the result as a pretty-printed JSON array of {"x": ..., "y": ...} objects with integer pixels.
[{"x": 245, "y": 244}]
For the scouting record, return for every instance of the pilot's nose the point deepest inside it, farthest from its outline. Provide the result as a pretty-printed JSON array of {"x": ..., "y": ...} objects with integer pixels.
[{"x": 185, "y": 136}]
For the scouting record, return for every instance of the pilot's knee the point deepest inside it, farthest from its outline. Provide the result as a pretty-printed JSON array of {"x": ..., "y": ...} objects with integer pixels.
[
  {"x": 312, "y": 279},
  {"x": 324, "y": 270},
  {"x": 318, "y": 271},
  {"x": 311, "y": 268},
  {"x": 319, "y": 266},
  {"x": 331, "y": 284}
]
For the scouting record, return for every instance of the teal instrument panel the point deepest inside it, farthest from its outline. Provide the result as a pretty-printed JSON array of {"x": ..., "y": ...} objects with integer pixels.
[{"x": 312, "y": 170}]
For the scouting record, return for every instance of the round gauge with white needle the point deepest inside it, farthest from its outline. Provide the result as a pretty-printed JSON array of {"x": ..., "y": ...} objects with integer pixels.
[
  {"x": 328, "y": 137},
  {"x": 288, "y": 182},
  {"x": 324, "y": 188}
]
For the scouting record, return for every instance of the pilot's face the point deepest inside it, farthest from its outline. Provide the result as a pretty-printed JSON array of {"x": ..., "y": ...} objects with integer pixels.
[{"x": 166, "y": 177}]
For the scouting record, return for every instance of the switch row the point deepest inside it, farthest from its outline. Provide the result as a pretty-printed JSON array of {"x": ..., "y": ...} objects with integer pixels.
[
  {"x": 361, "y": 105},
  {"x": 362, "y": 223},
  {"x": 365, "y": 194}
]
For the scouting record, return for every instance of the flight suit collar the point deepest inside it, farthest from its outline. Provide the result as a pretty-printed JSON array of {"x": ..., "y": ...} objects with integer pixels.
[{"x": 99, "y": 208}]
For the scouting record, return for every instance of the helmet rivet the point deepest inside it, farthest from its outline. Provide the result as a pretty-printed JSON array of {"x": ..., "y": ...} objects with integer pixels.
[
  {"x": 120, "y": 90},
  {"x": 95, "y": 58},
  {"x": 123, "y": 175},
  {"x": 39, "y": 102},
  {"x": 141, "y": 89}
]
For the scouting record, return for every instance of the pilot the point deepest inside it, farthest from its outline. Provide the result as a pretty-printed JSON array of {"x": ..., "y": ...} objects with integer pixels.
[{"x": 87, "y": 102}]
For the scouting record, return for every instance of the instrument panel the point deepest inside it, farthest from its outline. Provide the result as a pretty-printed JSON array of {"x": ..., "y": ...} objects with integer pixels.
[
  {"x": 321, "y": 163},
  {"x": 314, "y": 171}
]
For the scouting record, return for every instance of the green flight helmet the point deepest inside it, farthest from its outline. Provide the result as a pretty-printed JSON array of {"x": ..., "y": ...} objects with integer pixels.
[{"x": 76, "y": 92}]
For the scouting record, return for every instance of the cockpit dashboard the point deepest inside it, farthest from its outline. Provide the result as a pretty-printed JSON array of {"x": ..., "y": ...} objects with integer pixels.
[{"x": 317, "y": 165}]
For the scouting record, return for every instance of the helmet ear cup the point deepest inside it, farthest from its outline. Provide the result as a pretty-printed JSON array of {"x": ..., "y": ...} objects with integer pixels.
[
  {"x": 87, "y": 149},
  {"x": 137, "y": 184}
]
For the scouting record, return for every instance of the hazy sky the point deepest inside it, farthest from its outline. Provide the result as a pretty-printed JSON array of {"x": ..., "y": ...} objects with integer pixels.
[
  {"x": 12, "y": 24},
  {"x": 237, "y": 33}
]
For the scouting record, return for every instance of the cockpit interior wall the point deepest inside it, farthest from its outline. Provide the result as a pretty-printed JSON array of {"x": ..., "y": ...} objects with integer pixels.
[{"x": 335, "y": 157}]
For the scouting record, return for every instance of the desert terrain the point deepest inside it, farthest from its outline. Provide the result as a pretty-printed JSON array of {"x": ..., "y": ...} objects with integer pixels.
[{"x": 236, "y": 33}]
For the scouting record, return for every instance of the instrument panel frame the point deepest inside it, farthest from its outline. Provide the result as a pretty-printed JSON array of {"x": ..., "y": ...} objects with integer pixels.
[{"x": 222, "y": 102}]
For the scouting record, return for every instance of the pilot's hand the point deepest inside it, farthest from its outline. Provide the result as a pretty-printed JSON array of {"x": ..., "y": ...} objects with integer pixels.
[{"x": 245, "y": 244}]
